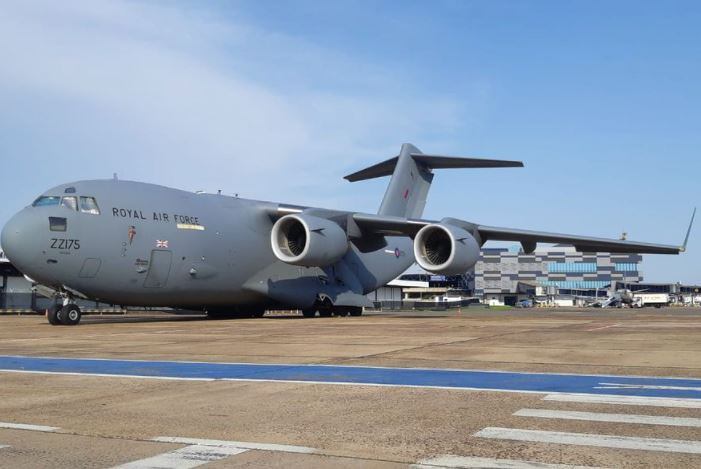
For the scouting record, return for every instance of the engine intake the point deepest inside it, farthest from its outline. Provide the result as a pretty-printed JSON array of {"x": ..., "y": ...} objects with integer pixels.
[
  {"x": 445, "y": 249},
  {"x": 308, "y": 241}
]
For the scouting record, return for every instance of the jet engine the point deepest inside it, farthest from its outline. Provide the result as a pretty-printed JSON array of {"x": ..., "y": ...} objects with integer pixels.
[
  {"x": 307, "y": 240},
  {"x": 445, "y": 249}
]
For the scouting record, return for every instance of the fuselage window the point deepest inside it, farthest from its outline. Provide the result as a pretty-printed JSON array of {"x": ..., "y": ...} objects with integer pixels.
[
  {"x": 57, "y": 223},
  {"x": 89, "y": 205},
  {"x": 69, "y": 202},
  {"x": 46, "y": 201}
]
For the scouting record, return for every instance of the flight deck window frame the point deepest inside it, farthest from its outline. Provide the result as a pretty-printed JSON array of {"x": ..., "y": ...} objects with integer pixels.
[
  {"x": 68, "y": 205},
  {"x": 47, "y": 201},
  {"x": 94, "y": 210}
]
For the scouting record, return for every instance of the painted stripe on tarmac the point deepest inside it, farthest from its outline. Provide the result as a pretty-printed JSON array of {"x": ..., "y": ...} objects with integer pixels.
[
  {"x": 235, "y": 444},
  {"x": 24, "y": 426},
  {"x": 479, "y": 380},
  {"x": 625, "y": 400},
  {"x": 645, "y": 386},
  {"x": 4, "y": 446},
  {"x": 588, "y": 439},
  {"x": 604, "y": 417},
  {"x": 184, "y": 458},
  {"x": 488, "y": 463}
]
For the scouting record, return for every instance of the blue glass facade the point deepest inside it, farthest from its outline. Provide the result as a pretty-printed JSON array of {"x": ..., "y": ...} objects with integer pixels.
[
  {"x": 572, "y": 267},
  {"x": 576, "y": 284}
]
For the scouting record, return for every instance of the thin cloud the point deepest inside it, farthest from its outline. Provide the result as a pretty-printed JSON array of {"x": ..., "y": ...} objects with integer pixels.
[{"x": 173, "y": 95}]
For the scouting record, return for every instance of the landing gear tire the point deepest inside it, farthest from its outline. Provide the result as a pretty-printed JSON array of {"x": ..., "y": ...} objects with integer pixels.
[
  {"x": 308, "y": 313},
  {"x": 325, "y": 313},
  {"x": 341, "y": 312},
  {"x": 355, "y": 311},
  {"x": 70, "y": 315},
  {"x": 53, "y": 315}
]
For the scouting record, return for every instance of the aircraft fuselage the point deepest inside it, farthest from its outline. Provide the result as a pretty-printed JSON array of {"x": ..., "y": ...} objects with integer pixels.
[{"x": 156, "y": 246}]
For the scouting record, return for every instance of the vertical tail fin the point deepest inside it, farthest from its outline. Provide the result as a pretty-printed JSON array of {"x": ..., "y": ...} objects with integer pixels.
[{"x": 412, "y": 176}]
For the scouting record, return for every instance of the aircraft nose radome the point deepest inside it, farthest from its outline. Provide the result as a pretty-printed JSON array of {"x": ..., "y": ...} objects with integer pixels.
[{"x": 11, "y": 238}]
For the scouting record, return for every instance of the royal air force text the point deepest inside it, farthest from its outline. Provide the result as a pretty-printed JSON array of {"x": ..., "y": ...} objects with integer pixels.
[{"x": 155, "y": 216}]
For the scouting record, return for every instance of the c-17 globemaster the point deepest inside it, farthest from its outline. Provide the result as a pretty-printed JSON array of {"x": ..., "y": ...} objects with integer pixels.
[{"x": 136, "y": 244}]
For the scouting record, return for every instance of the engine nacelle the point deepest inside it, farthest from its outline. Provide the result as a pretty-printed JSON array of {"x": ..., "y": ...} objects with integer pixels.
[
  {"x": 307, "y": 240},
  {"x": 445, "y": 249}
]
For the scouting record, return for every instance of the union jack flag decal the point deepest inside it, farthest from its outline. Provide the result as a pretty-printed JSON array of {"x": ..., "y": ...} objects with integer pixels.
[{"x": 161, "y": 243}]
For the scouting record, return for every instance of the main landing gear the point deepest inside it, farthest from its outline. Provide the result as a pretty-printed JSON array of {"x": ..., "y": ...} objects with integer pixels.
[{"x": 66, "y": 315}]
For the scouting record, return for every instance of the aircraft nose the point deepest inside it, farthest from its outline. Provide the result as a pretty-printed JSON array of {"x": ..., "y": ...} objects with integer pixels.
[{"x": 15, "y": 238}]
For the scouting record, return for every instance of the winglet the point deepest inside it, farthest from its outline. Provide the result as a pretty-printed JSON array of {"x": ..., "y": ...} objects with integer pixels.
[{"x": 686, "y": 238}]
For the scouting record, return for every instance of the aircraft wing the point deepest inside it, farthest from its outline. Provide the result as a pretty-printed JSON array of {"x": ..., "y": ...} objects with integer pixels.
[
  {"x": 581, "y": 243},
  {"x": 371, "y": 224},
  {"x": 398, "y": 226}
]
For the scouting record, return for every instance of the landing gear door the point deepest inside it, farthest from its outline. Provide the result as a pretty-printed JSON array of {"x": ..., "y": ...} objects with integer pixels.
[{"x": 159, "y": 269}]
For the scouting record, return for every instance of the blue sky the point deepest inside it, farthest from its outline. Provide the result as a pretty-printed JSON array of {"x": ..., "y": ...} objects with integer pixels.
[{"x": 279, "y": 100}]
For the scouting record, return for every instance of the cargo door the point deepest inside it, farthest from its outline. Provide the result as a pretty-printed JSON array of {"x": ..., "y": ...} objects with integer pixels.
[{"x": 159, "y": 269}]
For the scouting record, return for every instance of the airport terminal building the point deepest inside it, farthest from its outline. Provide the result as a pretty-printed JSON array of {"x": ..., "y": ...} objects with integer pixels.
[{"x": 506, "y": 275}]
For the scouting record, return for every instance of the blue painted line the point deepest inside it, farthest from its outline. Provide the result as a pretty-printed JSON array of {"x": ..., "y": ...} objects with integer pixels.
[{"x": 362, "y": 375}]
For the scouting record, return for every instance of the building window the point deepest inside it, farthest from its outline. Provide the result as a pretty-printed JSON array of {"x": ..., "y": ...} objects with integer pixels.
[
  {"x": 576, "y": 284},
  {"x": 571, "y": 267},
  {"x": 627, "y": 267}
]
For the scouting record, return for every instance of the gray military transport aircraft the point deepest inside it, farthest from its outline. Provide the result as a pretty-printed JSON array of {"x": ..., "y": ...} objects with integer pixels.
[{"x": 137, "y": 244}]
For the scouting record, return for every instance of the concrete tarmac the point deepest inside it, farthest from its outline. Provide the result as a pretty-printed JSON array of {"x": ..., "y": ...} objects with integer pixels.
[{"x": 100, "y": 421}]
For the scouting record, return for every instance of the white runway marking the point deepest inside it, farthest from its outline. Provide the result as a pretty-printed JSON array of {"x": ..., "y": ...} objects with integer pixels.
[
  {"x": 106, "y": 375},
  {"x": 588, "y": 439},
  {"x": 603, "y": 327},
  {"x": 4, "y": 446},
  {"x": 644, "y": 386},
  {"x": 184, "y": 458},
  {"x": 626, "y": 400},
  {"x": 235, "y": 444},
  {"x": 603, "y": 417},
  {"x": 24, "y": 426},
  {"x": 488, "y": 463}
]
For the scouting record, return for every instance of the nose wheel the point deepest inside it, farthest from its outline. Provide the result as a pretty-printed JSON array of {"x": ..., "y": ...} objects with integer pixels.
[{"x": 67, "y": 315}]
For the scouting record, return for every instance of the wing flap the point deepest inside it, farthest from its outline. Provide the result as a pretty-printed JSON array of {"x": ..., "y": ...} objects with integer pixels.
[{"x": 388, "y": 225}]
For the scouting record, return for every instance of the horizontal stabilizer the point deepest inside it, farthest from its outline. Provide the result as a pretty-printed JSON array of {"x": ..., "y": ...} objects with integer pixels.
[{"x": 386, "y": 168}]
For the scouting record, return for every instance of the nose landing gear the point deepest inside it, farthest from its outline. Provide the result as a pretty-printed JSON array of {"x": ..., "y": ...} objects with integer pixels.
[{"x": 68, "y": 315}]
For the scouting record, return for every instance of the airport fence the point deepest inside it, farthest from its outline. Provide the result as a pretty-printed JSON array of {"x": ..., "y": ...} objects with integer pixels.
[{"x": 404, "y": 305}]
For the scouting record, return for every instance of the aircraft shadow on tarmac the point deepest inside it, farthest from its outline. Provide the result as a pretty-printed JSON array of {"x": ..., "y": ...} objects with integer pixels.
[{"x": 126, "y": 319}]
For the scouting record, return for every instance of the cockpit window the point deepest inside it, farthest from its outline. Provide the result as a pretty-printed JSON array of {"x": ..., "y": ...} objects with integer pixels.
[
  {"x": 46, "y": 201},
  {"x": 69, "y": 202},
  {"x": 89, "y": 205}
]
